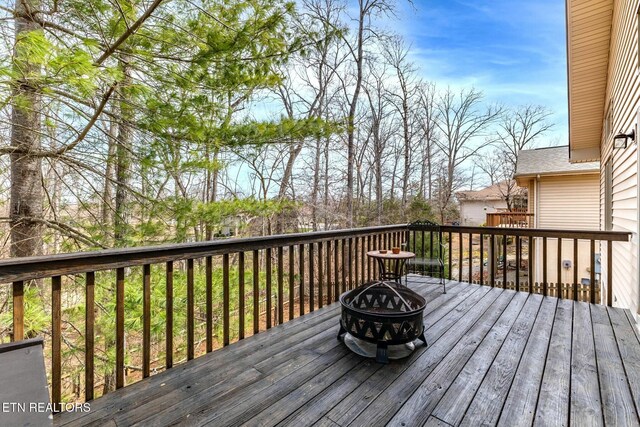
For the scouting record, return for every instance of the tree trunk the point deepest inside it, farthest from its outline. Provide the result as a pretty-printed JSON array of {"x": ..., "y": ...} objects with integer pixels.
[
  {"x": 123, "y": 157},
  {"x": 316, "y": 185},
  {"x": 26, "y": 170}
]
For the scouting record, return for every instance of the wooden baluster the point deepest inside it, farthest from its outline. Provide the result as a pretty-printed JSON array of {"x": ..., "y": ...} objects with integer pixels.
[
  {"x": 119, "y": 328},
  {"x": 450, "y": 254},
  {"x": 268, "y": 285},
  {"x": 320, "y": 274},
  {"x": 481, "y": 259},
  {"x": 422, "y": 251},
  {"x": 575, "y": 269},
  {"x": 225, "y": 300},
  {"x": 190, "y": 312},
  {"x": 363, "y": 260},
  {"x": 470, "y": 257},
  {"x": 312, "y": 267},
  {"x": 18, "y": 310},
  {"x": 494, "y": 259},
  {"x": 329, "y": 275},
  {"x": 369, "y": 238},
  {"x": 348, "y": 260},
  {"x": 460, "y": 257},
  {"x": 256, "y": 291},
  {"x": 209, "y": 296},
  {"x": 169, "y": 315},
  {"x": 241, "y": 305},
  {"x": 146, "y": 320},
  {"x": 559, "y": 270},
  {"x": 292, "y": 282},
  {"x": 301, "y": 272},
  {"x": 545, "y": 283},
  {"x": 530, "y": 261},
  {"x": 336, "y": 273},
  {"x": 356, "y": 280},
  {"x": 374, "y": 264},
  {"x": 343, "y": 261},
  {"x": 504, "y": 261},
  {"x": 592, "y": 272},
  {"x": 518, "y": 260},
  {"x": 609, "y": 274},
  {"x": 89, "y": 334},
  {"x": 56, "y": 340},
  {"x": 280, "y": 284}
]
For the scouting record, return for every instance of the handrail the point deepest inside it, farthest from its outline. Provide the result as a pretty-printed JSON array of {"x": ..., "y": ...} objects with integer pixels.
[
  {"x": 39, "y": 267},
  {"x": 612, "y": 236}
]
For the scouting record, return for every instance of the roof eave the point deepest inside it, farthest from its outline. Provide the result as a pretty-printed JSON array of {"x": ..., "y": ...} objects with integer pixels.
[{"x": 587, "y": 69}]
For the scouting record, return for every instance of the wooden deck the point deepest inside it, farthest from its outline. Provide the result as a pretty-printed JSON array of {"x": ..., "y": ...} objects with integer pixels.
[{"x": 494, "y": 357}]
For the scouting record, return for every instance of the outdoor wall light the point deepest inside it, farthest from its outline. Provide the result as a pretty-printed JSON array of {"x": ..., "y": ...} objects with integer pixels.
[{"x": 620, "y": 140}]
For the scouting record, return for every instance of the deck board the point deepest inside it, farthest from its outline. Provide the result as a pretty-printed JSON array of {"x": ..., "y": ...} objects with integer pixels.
[{"x": 494, "y": 356}]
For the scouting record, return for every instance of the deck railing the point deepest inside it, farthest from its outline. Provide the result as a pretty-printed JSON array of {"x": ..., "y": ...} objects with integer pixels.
[
  {"x": 550, "y": 262},
  {"x": 510, "y": 219},
  {"x": 262, "y": 281},
  {"x": 300, "y": 271}
]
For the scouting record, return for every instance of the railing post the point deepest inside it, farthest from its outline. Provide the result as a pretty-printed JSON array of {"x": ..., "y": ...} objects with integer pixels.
[
  {"x": 241, "y": 306},
  {"x": 209, "y": 303},
  {"x": 575, "y": 270},
  {"x": 190, "y": 312},
  {"x": 609, "y": 274},
  {"x": 56, "y": 340},
  {"x": 280, "y": 284},
  {"x": 225, "y": 300},
  {"x": 256, "y": 291},
  {"x": 592, "y": 272},
  {"x": 89, "y": 334},
  {"x": 146, "y": 320},
  {"x": 292, "y": 282},
  {"x": 18, "y": 310},
  {"x": 119, "y": 328},
  {"x": 169, "y": 315}
]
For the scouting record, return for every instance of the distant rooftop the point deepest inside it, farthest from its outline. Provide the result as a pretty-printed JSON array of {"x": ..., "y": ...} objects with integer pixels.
[
  {"x": 550, "y": 161},
  {"x": 493, "y": 192}
]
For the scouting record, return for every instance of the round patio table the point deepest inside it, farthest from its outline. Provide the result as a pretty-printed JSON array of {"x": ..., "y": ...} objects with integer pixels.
[{"x": 390, "y": 264}]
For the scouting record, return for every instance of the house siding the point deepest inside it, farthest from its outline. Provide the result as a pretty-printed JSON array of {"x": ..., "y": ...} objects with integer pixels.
[
  {"x": 474, "y": 212},
  {"x": 569, "y": 202},
  {"x": 624, "y": 94}
]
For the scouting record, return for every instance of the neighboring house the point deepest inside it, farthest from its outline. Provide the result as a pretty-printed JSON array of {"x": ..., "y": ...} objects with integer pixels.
[
  {"x": 475, "y": 205},
  {"x": 604, "y": 100},
  {"x": 562, "y": 195}
]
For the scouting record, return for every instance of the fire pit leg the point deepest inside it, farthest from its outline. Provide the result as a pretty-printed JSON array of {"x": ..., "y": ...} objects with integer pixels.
[
  {"x": 381, "y": 353},
  {"x": 341, "y": 333},
  {"x": 423, "y": 339}
]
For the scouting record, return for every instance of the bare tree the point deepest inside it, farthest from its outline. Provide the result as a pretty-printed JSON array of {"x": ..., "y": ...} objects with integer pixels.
[
  {"x": 367, "y": 9},
  {"x": 462, "y": 118},
  {"x": 395, "y": 53},
  {"x": 518, "y": 129},
  {"x": 427, "y": 117}
]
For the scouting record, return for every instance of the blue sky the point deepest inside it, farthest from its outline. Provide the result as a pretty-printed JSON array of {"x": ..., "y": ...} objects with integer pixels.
[{"x": 512, "y": 50}]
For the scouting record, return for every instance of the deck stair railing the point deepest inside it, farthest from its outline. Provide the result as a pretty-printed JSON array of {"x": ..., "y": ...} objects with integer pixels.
[{"x": 218, "y": 292}]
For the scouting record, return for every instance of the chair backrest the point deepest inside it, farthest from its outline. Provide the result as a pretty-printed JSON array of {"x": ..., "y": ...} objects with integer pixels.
[
  {"x": 425, "y": 239},
  {"x": 24, "y": 384}
]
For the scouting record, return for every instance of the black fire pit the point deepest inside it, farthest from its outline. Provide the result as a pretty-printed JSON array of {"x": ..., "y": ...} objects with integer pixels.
[{"x": 381, "y": 320}]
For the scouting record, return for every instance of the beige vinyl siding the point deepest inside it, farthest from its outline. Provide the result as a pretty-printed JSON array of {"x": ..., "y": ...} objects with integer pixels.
[
  {"x": 623, "y": 88},
  {"x": 569, "y": 202}
]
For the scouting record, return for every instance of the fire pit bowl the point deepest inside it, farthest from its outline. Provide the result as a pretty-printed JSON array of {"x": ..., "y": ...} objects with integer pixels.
[{"x": 381, "y": 319}]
